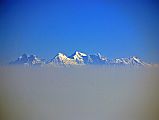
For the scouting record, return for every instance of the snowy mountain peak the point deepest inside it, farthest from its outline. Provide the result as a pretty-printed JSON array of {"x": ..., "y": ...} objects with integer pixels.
[
  {"x": 79, "y": 58},
  {"x": 128, "y": 61},
  {"x": 101, "y": 57},
  {"x": 77, "y": 54},
  {"x": 28, "y": 60},
  {"x": 23, "y": 56},
  {"x": 135, "y": 58},
  {"x": 61, "y": 56},
  {"x": 62, "y": 59},
  {"x": 98, "y": 54}
]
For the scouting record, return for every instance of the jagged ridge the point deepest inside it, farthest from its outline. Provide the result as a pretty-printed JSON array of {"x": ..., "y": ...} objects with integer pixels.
[{"x": 79, "y": 58}]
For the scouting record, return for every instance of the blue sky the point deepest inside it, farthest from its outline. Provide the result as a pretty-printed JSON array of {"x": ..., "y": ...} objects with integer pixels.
[{"x": 115, "y": 29}]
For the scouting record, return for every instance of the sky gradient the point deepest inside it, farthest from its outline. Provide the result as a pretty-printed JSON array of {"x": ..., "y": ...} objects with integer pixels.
[{"x": 115, "y": 29}]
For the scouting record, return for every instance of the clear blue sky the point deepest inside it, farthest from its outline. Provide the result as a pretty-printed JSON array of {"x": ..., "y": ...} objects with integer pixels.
[{"x": 115, "y": 29}]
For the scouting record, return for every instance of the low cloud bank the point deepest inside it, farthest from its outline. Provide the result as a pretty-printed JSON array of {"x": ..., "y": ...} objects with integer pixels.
[{"x": 87, "y": 93}]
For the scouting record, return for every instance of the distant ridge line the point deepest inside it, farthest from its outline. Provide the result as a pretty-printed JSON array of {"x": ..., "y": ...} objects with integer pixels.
[{"x": 78, "y": 58}]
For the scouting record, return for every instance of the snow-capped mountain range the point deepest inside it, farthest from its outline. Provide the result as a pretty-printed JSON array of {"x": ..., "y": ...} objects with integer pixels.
[{"x": 78, "y": 58}]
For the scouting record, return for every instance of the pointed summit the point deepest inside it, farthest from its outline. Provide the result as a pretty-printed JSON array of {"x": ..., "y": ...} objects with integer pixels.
[
  {"x": 133, "y": 61},
  {"x": 97, "y": 59},
  {"x": 78, "y": 57},
  {"x": 60, "y": 56},
  {"x": 101, "y": 57},
  {"x": 77, "y": 54},
  {"x": 28, "y": 60},
  {"x": 136, "y": 61},
  {"x": 62, "y": 59},
  {"x": 22, "y": 59}
]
